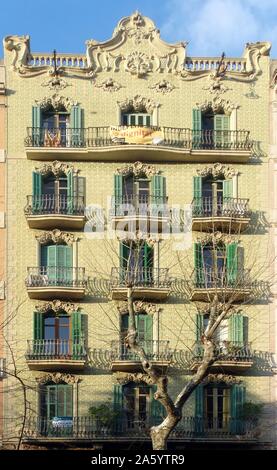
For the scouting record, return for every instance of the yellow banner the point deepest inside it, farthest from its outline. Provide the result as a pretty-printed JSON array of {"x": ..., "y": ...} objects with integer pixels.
[{"x": 136, "y": 135}]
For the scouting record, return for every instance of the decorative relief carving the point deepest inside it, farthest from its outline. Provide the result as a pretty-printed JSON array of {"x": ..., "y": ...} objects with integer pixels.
[
  {"x": 20, "y": 46},
  {"x": 215, "y": 238},
  {"x": 123, "y": 378},
  {"x": 138, "y": 169},
  {"x": 57, "y": 306},
  {"x": 55, "y": 83},
  {"x": 138, "y": 236},
  {"x": 56, "y": 101},
  {"x": 163, "y": 86},
  {"x": 138, "y": 104},
  {"x": 138, "y": 63},
  {"x": 57, "y": 378},
  {"x": 56, "y": 168},
  {"x": 222, "y": 378},
  {"x": 217, "y": 104},
  {"x": 217, "y": 170},
  {"x": 56, "y": 236},
  {"x": 109, "y": 85},
  {"x": 139, "y": 306},
  {"x": 215, "y": 85}
]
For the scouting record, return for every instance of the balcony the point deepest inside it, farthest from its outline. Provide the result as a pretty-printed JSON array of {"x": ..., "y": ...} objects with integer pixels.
[
  {"x": 226, "y": 285},
  {"x": 145, "y": 213},
  {"x": 157, "y": 352},
  {"x": 48, "y": 354},
  {"x": 148, "y": 283},
  {"x": 130, "y": 143},
  {"x": 56, "y": 282},
  {"x": 49, "y": 211},
  {"x": 85, "y": 428},
  {"x": 230, "y": 356},
  {"x": 227, "y": 214}
]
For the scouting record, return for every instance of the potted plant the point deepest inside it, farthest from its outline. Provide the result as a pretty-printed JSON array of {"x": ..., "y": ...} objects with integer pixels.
[{"x": 103, "y": 415}]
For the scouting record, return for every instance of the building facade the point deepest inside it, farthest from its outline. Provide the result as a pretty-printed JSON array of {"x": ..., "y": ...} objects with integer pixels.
[{"x": 136, "y": 135}]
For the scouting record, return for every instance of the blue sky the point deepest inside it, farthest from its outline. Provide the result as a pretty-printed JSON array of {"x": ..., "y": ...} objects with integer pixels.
[{"x": 210, "y": 26}]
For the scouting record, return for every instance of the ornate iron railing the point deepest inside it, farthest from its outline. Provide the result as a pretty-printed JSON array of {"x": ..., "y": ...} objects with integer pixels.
[
  {"x": 156, "y": 350},
  {"x": 55, "y": 204},
  {"x": 45, "y": 276},
  {"x": 125, "y": 426},
  {"x": 221, "y": 278},
  {"x": 169, "y": 137},
  {"x": 220, "y": 207},
  {"x": 143, "y": 206},
  {"x": 141, "y": 277},
  {"x": 47, "y": 349},
  {"x": 227, "y": 351}
]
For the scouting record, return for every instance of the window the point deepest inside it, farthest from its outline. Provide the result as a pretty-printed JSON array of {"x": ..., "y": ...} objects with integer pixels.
[
  {"x": 137, "y": 261},
  {"x": 57, "y": 264},
  {"x": 210, "y": 129},
  {"x": 57, "y": 334},
  {"x": 136, "y": 403},
  {"x": 217, "y": 407},
  {"x": 136, "y": 119},
  {"x": 56, "y": 401},
  {"x": 212, "y": 196},
  {"x": 144, "y": 324},
  {"x": 55, "y": 125}
]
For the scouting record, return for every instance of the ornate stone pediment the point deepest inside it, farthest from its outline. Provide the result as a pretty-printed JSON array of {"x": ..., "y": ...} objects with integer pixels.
[
  {"x": 137, "y": 237},
  {"x": 56, "y": 168},
  {"x": 57, "y": 306},
  {"x": 57, "y": 378},
  {"x": 163, "y": 86},
  {"x": 222, "y": 378},
  {"x": 123, "y": 378},
  {"x": 217, "y": 104},
  {"x": 139, "y": 306},
  {"x": 56, "y": 101},
  {"x": 138, "y": 169},
  {"x": 215, "y": 238},
  {"x": 138, "y": 104},
  {"x": 56, "y": 236},
  {"x": 217, "y": 170},
  {"x": 109, "y": 85}
]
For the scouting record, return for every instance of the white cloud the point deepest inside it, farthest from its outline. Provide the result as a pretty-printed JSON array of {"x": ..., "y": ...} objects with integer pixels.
[{"x": 213, "y": 26}]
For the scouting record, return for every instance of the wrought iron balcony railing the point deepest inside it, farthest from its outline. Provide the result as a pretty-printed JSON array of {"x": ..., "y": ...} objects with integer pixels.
[
  {"x": 205, "y": 278},
  {"x": 155, "y": 350},
  {"x": 143, "y": 205},
  {"x": 169, "y": 137},
  {"x": 220, "y": 207},
  {"x": 55, "y": 204},
  {"x": 45, "y": 276},
  {"x": 86, "y": 427},
  {"x": 141, "y": 277},
  {"x": 49, "y": 349},
  {"x": 227, "y": 351}
]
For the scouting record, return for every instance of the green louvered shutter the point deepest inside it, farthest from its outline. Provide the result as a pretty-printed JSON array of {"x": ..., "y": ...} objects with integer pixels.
[
  {"x": 44, "y": 255},
  {"x": 157, "y": 411},
  {"x": 197, "y": 196},
  {"x": 38, "y": 336},
  {"x": 37, "y": 192},
  {"x": 124, "y": 251},
  {"x": 238, "y": 393},
  {"x": 36, "y": 126},
  {"x": 68, "y": 264},
  {"x": 158, "y": 189},
  {"x": 77, "y": 335},
  {"x": 221, "y": 127},
  {"x": 232, "y": 264},
  {"x": 52, "y": 264},
  {"x": 199, "y": 409},
  {"x": 147, "y": 334},
  {"x": 118, "y": 408},
  {"x": 70, "y": 192},
  {"x": 76, "y": 126},
  {"x": 199, "y": 333},
  {"x": 199, "y": 265},
  {"x": 118, "y": 194},
  {"x": 78, "y": 194},
  {"x": 196, "y": 128},
  {"x": 236, "y": 329}
]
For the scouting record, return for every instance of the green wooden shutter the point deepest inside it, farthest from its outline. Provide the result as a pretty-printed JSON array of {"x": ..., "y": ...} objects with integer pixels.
[
  {"x": 199, "y": 409},
  {"x": 76, "y": 126},
  {"x": 199, "y": 332},
  {"x": 148, "y": 261},
  {"x": 118, "y": 194},
  {"x": 78, "y": 194},
  {"x": 70, "y": 192},
  {"x": 65, "y": 263},
  {"x": 236, "y": 329},
  {"x": 124, "y": 252},
  {"x": 238, "y": 393},
  {"x": 76, "y": 320},
  {"x": 38, "y": 326},
  {"x": 36, "y": 126},
  {"x": 148, "y": 332},
  {"x": 157, "y": 411},
  {"x": 37, "y": 192},
  {"x": 227, "y": 188},
  {"x": 118, "y": 408},
  {"x": 196, "y": 128},
  {"x": 158, "y": 189},
  {"x": 44, "y": 255},
  {"x": 232, "y": 263},
  {"x": 197, "y": 195},
  {"x": 199, "y": 265},
  {"x": 221, "y": 127},
  {"x": 52, "y": 263}
]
